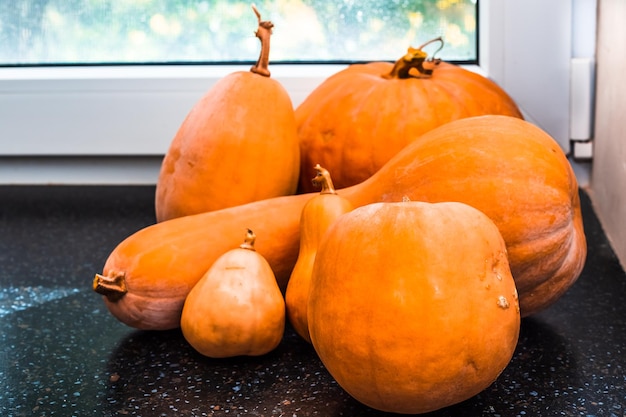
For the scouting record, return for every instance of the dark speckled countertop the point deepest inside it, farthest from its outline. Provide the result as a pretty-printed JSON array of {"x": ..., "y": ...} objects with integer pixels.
[{"x": 63, "y": 354}]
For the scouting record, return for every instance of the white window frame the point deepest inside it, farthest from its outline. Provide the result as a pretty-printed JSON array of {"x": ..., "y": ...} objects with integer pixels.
[{"x": 112, "y": 125}]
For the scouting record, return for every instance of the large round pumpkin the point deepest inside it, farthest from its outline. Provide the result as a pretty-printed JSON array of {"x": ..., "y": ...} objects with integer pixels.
[
  {"x": 360, "y": 117},
  {"x": 412, "y": 305},
  {"x": 517, "y": 175}
]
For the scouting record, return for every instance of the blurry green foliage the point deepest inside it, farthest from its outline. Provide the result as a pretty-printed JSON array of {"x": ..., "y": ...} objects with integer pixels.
[{"x": 126, "y": 31}]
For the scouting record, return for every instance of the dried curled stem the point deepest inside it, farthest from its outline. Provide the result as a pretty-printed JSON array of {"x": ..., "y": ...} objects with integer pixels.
[
  {"x": 416, "y": 58},
  {"x": 263, "y": 32},
  {"x": 322, "y": 179},
  {"x": 249, "y": 240},
  {"x": 112, "y": 287}
]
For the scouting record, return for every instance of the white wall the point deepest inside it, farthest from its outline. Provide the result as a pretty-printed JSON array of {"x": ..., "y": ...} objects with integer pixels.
[
  {"x": 608, "y": 177},
  {"x": 529, "y": 47}
]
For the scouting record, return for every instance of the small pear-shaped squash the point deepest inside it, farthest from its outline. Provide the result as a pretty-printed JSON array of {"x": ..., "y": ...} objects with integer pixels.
[
  {"x": 317, "y": 216},
  {"x": 242, "y": 125},
  {"x": 236, "y": 308},
  {"x": 413, "y": 306}
]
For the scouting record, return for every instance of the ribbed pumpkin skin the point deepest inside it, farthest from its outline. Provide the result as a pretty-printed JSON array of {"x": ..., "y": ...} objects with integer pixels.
[
  {"x": 519, "y": 177},
  {"x": 356, "y": 120},
  {"x": 412, "y": 305},
  {"x": 508, "y": 168},
  {"x": 220, "y": 155}
]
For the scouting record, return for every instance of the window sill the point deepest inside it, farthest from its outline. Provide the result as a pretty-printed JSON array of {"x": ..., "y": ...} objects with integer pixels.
[
  {"x": 132, "y": 110},
  {"x": 109, "y": 124}
]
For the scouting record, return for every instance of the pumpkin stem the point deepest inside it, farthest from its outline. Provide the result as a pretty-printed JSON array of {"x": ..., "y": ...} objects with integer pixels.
[
  {"x": 263, "y": 32},
  {"x": 415, "y": 58},
  {"x": 322, "y": 179},
  {"x": 248, "y": 242},
  {"x": 112, "y": 287}
]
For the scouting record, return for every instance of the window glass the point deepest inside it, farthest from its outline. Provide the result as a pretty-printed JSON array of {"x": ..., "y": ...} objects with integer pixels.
[{"x": 41, "y": 32}]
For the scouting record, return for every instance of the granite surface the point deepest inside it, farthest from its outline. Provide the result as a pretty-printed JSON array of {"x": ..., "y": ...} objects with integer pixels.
[{"x": 63, "y": 354}]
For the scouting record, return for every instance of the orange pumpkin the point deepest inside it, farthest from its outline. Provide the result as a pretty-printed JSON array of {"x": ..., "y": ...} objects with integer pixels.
[
  {"x": 220, "y": 154},
  {"x": 357, "y": 119},
  {"x": 317, "y": 216},
  {"x": 236, "y": 308},
  {"x": 508, "y": 168},
  {"x": 412, "y": 305}
]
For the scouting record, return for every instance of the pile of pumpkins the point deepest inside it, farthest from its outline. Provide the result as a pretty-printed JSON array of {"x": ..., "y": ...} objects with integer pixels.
[{"x": 403, "y": 219}]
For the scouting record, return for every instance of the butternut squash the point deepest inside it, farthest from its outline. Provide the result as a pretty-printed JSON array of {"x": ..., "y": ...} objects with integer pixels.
[
  {"x": 506, "y": 167},
  {"x": 317, "y": 215},
  {"x": 243, "y": 124},
  {"x": 147, "y": 277}
]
